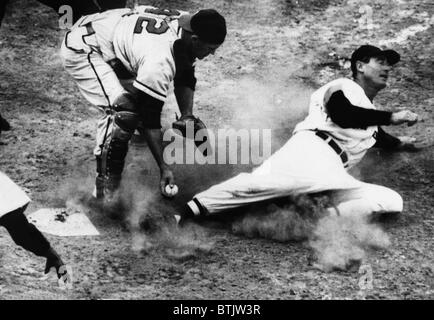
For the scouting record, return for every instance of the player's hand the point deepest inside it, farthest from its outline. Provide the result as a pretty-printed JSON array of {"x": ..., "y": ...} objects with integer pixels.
[
  {"x": 411, "y": 144},
  {"x": 404, "y": 116},
  {"x": 167, "y": 177}
]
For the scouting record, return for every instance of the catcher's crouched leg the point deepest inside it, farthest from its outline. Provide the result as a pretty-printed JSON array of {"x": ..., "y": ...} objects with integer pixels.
[{"x": 110, "y": 164}]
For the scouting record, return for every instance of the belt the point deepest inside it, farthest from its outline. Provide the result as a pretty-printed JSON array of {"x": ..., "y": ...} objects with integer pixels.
[{"x": 341, "y": 153}]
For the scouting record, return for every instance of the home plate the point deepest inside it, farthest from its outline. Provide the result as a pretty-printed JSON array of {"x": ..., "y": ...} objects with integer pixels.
[{"x": 63, "y": 222}]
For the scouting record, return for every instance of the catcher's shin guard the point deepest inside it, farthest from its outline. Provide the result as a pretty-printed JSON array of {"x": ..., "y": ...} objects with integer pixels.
[
  {"x": 114, "y": 151},
  {"x": 98, "y": 192},
  {"x": 105, "y": 185}
]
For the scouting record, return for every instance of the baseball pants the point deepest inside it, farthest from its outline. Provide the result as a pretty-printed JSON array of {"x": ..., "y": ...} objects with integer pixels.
[
  {"x": 12, "y": 197},
  {"x": 304, "y": 165},
  {"x": 94, "y": 77}
]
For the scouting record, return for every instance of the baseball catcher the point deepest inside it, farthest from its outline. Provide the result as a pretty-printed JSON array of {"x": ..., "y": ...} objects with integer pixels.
[
  {"x": 151, "y": 47},
  {"x": 342, "y": 124}
]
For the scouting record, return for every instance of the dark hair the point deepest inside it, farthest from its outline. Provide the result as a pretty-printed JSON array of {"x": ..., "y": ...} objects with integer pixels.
[
  {"x": 209, "y": 26},
  {"x": 366, "y": 52},
  {"x": 354, "y": 65}
]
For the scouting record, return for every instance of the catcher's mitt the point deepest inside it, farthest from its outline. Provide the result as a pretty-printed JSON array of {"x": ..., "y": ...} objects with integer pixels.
[{"x": 188, "y": 127}]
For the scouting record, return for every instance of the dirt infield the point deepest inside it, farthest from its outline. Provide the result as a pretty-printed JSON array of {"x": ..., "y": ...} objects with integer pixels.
[{"x": 276, "y": 53}]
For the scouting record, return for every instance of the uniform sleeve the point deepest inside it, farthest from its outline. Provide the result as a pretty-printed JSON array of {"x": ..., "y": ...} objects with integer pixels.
[
  {"x": 155, "y": 75},
  {"x": 346, "y": 115},
  {"x": 184, "y": 67},
  {"x": 386, "y": 141},
  {"x": 150, "y": 110}
]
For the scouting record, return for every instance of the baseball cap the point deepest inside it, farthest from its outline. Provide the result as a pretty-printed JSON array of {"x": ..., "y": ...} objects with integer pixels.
[
  {"x": 207, "y": 24},
  {"x": 368, "y": 51}
]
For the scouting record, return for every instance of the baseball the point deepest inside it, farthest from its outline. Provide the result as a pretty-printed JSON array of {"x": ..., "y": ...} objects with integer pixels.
[{"x": 171, "y": 190}]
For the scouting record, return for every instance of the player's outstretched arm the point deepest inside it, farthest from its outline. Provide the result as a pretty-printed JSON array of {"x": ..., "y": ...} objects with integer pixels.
[
  {"x": 403, "y": 143},
  {"x": 404, "y": 116},
  {"x": 346, "y": 115},
  {"x": 386, "y": 141}
]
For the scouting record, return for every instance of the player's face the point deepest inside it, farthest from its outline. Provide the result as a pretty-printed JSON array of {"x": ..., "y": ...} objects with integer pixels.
[
  {"x": 202, "y": 49},
  {"x": 376, "y": 71}
]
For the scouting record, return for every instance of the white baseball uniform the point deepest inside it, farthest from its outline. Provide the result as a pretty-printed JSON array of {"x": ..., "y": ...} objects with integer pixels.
[
  {"x": 308, "y": 164},
  {"x": 141, "y": 38},
  {"x": 12, "y": 197}
]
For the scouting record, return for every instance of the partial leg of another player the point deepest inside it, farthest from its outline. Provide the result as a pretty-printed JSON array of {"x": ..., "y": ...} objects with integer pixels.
[
  {"x": 13, "y": 202},
  {"x": 26, "y": 235}
]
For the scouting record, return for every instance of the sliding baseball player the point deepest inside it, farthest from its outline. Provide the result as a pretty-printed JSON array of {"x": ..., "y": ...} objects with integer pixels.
[{"x": 342, "y": 125}]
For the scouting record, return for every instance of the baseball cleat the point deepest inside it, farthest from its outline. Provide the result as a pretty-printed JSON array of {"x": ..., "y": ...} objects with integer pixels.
[
  {"x": 94, "y": 193},
  {"x": 177, "y": 219},
  {"x": 182, "y": 220}
]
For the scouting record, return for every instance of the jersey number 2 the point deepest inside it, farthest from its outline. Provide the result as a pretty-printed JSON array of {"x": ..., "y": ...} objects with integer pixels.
[{"x": 151, "y": 25}]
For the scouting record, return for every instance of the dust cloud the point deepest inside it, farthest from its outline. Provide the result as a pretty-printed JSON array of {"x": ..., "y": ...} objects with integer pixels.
[
  {"x": 141, "y": 211},
  {"x": 293, "y": 219},
  {"x": 340, "y": 243},
  {"x": 153, "y": 227}
]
